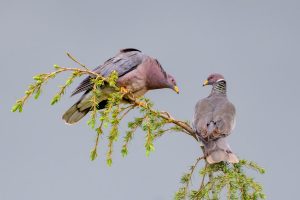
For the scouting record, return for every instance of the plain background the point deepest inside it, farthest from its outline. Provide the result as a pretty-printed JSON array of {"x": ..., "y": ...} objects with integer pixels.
[{"x": 255, "y": 44}]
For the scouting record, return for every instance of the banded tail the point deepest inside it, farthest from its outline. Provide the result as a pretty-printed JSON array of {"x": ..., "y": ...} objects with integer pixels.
[{"x": 219, "y": 150}]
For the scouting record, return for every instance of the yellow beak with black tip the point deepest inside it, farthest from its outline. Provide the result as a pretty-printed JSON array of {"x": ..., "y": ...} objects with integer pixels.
[
  {"x": 205, "y": 83},
  {"x": 176, "y": 89}
]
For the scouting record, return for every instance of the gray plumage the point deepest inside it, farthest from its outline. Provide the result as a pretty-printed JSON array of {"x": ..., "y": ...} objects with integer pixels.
[
  {"x": 137, "y": 73},
  {"x": 214, "y": 120}
]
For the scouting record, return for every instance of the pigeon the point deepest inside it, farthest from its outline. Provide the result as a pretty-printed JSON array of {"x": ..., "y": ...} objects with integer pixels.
[
  {"x": 137, "y": 73},
  {"x": 214, "y": 120}
]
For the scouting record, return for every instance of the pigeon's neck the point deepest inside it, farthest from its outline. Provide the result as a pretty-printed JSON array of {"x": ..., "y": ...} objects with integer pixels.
[
  {"x": 219, "y": 88},
  {"x": 156, "y": 81},
  {"x": 156, "y": 76}
]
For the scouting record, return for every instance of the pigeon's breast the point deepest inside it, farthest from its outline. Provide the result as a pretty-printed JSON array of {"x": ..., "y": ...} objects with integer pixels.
[{"x": 135, "y": 82}]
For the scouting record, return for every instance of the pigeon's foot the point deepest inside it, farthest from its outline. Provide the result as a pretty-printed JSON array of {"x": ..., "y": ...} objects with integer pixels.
[
  {"x": 141, "y": 104},
  {"x": 124, "y": 90}
]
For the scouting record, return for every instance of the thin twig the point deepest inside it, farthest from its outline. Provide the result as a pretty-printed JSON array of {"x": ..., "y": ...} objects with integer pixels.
[
  {"x": 228, "y": 191},
  {"x": 98, "y": 134},
  {"x": 203, "y": 178},
  {"x": 162, "y": 132},
  {"x": 125, "y": 108},
  {"x": 128, "y": 109},
  {"x": 75, "y": 60},
  {"x": 213, "y": 192},
  {"x": 88, "y": 72},
  {"x": 193, "y": 169}
]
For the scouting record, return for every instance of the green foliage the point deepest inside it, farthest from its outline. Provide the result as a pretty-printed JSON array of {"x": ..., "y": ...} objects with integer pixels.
[
  {"x": 63, "y": 88},
  {"x": 93, "y": 154},
  {"x": 215, "y": 178},
  {"x": 223, "y": 176},
  {"x": 34, "y": 89},
  {"x": 41, "y": 79},
  {"x": 133, "y": 126},
  {"x": 98, "y": 82},
  {"x": 185, "y": 180}
]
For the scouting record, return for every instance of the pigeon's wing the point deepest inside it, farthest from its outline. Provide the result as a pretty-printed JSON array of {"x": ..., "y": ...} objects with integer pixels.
[
  {"x": 214, "y": 118},
  {"x": 224, "y": 118},
  {"x": 202, "y": 116},
  {"x": 124, "y": 62}
]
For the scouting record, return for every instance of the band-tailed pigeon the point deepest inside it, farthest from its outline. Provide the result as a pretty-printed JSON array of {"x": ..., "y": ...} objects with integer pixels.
[
  {"x": 137, "y": 73},
  {"x": 214, "y": 119}
]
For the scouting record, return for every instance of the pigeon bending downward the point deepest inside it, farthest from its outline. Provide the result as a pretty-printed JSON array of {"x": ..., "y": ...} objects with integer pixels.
[
  {"x": 137, "y": 73},
  {"x": 214, "y": 120}
]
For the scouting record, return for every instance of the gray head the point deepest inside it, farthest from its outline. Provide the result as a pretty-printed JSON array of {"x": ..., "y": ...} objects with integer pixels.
[
  {"x": 213, "y": 79},
  {"x": 218, "y": 83},
  {"x": 171, "y": 82}
]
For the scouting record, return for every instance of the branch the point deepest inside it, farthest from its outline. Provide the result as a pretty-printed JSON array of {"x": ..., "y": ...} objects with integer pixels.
[
  {"x": 154, "y": 123},
  {"x": 165, "y": 115}
]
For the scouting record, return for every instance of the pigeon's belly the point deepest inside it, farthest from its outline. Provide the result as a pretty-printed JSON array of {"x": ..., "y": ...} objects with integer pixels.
[{"x": 137, "y": 87}]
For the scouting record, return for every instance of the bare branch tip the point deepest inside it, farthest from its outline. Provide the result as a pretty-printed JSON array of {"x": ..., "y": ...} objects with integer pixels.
[{"x": 75, "y": 60}]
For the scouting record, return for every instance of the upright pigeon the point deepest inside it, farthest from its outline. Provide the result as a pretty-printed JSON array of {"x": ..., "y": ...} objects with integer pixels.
[
  {"x": 137, "y": 73},
  {"x": 214, "y": 120}
]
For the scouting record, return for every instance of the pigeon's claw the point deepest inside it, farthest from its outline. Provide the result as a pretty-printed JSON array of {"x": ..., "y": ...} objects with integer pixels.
[
  {"x": 124, "y": 90},
  {"x": 141, "y": 104}
]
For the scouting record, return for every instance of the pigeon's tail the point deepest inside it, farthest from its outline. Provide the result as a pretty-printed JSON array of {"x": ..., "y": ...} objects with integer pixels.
[
  {"x": 74, "y": 114},
  {"x": 219, "y": 150},
  {"x": 80, "y": 109}
]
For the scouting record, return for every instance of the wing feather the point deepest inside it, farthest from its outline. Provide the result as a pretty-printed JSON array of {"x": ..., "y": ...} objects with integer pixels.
[
  {"x": 124, "y": 62},
  {"x": 214, "y": 118}
]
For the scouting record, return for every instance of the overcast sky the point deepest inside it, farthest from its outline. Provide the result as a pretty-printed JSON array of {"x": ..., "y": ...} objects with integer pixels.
[{"x": 255, "y": 44}]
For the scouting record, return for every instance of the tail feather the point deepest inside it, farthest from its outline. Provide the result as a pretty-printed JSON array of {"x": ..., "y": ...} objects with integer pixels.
[
  {"x": 79, "y": 110},
  {"x": 83, "y": 106},
  {"x": 219, "y": 150},
  {"x": 74, "y": 114}
]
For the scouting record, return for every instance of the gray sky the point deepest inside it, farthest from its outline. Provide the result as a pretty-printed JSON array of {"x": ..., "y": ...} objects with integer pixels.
[{"x": 255, "y": 44}]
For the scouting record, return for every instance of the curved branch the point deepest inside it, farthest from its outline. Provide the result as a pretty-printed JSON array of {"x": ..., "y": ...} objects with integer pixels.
[{"x": 185, "y": 126}]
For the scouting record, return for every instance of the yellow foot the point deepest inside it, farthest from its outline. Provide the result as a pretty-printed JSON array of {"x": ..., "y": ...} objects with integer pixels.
[
  {"x": 124, "y": 90},
  {"x": 141, "y": 104}
]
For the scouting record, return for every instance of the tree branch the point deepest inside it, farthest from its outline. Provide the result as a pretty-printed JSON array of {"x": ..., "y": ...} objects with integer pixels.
[
  {"x": 152, "y": 121},
  {"x": 165, "y": 115}
]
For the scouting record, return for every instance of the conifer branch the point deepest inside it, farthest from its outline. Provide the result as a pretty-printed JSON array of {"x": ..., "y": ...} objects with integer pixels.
[{"x": 154, "y": 123}]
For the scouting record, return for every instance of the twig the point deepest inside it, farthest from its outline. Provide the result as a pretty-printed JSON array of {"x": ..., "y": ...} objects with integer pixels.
[
  {"x": 193, "y": 169},
  {"x": 99, "y": 132},
  {"x": 62, "y": 69},
  {"x": 203, "y": 178},
  {"x": 157, "y": 134},
  {"x": 128, "y": 109},
  {"x": 214, "y": 195},
  {"x": 75, "y": 60}
]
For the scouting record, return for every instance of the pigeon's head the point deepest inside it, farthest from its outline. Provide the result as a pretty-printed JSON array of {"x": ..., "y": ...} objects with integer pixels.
[
  {"x": 213, "y": 78},
  {"x": 172, "y": 83}
]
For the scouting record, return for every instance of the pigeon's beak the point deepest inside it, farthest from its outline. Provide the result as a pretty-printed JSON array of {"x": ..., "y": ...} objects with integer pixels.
[
  {"x": 176, "y": 89},
  {"x": 205, "y": 83}
]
